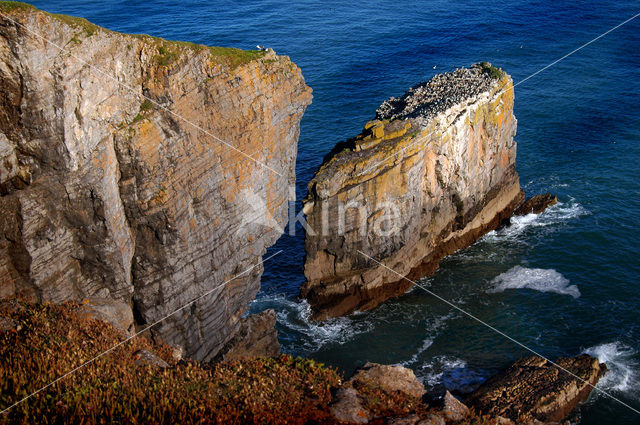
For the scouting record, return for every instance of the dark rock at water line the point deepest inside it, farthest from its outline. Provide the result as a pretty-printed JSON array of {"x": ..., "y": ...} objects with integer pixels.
[{"x": 536, "y": 204}]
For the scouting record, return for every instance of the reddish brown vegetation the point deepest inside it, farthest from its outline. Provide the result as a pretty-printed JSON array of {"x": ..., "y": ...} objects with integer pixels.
[{"x": 49, "y": 340}]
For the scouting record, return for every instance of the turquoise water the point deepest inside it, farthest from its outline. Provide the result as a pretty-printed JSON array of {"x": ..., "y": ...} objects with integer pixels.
[{"x": 562, "y": 283}]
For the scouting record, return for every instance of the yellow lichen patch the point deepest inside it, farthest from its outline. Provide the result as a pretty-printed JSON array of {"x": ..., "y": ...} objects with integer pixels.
[
  {"x": 502, "y": 106},
  {"x": 371, "y": 123},
  {"x": 378, "y": 130}
]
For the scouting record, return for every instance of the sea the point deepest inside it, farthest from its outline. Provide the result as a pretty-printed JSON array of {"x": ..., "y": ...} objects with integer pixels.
[{"x": 563, "y": 282}]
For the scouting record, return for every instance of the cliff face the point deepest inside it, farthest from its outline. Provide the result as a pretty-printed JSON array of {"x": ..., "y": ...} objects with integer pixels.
[
  {"x": 107, "y": 194},
  {"x": 432, "y": 173}
]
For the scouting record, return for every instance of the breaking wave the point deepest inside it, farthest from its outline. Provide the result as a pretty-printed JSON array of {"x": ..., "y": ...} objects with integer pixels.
[
  {"x": 543, "y": 280},
  {"x": 311, "y": 335},
  {"x": 622, "y": 367},
  {"x": 434, "y": 329},
  {"x": 556, "y": 214}
]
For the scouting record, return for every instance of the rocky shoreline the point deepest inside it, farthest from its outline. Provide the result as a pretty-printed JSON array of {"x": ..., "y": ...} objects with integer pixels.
[
  {"x": 147, "y": 381},
  {"x": 119, "y": 199},
  {"x": 530, "y": 391}
]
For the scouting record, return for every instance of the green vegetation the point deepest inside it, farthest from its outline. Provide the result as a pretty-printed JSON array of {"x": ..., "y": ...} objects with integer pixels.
[
  {"x": 50, "y": 340},
  {"x": 166, "y": 56},
  {"x": 87, "y": 27},
  {"x": 234, "y": 57},
  {"x": 41, "y": 342},
  {"x": 168, "y": 51},
  {"x": 10, "y": 6},
  {"x": 146, "y": 105},
  {"x": 493, "y": 72},
  {"x": 145, "y": 109}
]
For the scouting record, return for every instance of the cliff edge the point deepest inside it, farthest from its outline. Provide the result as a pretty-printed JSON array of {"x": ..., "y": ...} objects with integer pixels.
[
  {"x": 431, "y": 174},
  {"x": 130, "y": 167}
]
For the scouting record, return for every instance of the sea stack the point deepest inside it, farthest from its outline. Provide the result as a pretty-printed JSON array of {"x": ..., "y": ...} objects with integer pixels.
[
  {"x": 434, "y": 171},
  {"x": 140, "y": 171}
]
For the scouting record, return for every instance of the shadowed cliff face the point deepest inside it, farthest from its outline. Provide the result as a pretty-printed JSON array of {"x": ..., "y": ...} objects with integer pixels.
[
  {"x": 106, "y": 194},
  {"x": 434, "y": 172}
]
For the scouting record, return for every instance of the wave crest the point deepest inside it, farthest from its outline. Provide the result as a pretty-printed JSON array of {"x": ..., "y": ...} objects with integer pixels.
[
  {"x": 556, "y": 214},
  {"x": 622, "y": 367}
]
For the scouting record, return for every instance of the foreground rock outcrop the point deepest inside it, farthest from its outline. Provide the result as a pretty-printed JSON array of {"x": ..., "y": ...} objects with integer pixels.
[
  {"x": 372, "y": 389},
  {"x": 534, "y": 389},
  {"x": 142, "y": 170},
  {"x": 530, "y": 391},
  {"x": 256, "y": 337},
  {"x": 431, "y": 174}
]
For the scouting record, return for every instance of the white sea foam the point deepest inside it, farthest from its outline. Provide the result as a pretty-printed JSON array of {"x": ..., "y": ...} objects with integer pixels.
[
  {"x": 433, "y": 329},
  {"x": 556, "y": 214},
  {"x": 622, "y": 368},
  {"x": 543, "y": 280},
  {"x": 428, "y": 342},
  {"x": 313, "y": 335},
  {"x": 432, "y": 372}
]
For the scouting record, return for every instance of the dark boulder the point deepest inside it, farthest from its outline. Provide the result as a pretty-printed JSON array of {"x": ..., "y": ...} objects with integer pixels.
[{"x": 536, "y": 204}]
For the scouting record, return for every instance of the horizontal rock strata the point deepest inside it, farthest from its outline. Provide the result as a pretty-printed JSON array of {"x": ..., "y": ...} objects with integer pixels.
[
  {"x": 142, "y": 170},
  {"x": 431, "y": 174}
]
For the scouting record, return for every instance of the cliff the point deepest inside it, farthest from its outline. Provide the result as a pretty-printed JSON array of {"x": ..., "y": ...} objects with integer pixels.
[
  {"x": 128, "y": 166},
  {"x": 431, "y": 174}
]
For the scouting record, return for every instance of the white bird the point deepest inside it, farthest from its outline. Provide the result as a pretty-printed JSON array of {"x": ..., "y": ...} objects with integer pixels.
[
  {"x": 434, "y": 66},
  {"x": 259, "y": 47}
]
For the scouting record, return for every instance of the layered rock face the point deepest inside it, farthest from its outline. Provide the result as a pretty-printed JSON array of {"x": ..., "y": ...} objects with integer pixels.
[
  {"x": 432, "y": 173},
  {"x": 142, "y": 171}
]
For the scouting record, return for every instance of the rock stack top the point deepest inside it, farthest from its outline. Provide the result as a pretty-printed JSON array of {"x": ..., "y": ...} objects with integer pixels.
[{"x": 440, "y": 93}]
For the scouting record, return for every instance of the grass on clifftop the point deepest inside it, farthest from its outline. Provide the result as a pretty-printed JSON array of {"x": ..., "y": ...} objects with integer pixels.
[
  {"x": 493, "y": 72},
  {"x": 88, "y": 28},
  {"x": 168, "y": 50},
  {"x": 10, "y": 6},
  {"x": 45, "y": 341}
]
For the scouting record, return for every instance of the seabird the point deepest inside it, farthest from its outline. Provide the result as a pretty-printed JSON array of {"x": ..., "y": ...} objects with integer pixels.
[{"x": 259, "y": 47}]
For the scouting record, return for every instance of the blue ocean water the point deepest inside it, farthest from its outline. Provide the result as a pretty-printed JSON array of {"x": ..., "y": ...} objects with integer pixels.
[{"x": 562, "y": 283}]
